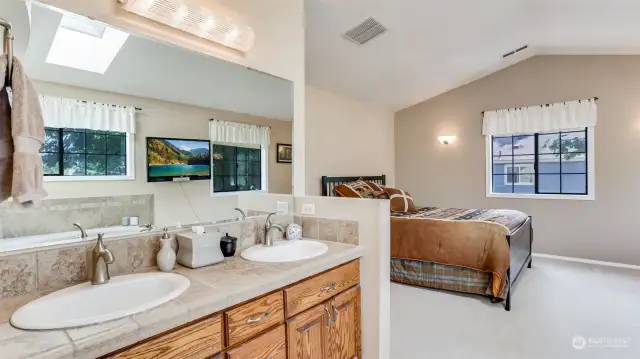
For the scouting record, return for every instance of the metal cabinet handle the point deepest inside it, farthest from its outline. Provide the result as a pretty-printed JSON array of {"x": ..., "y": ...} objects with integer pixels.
[
  {"x": 329, "y": 287},
  {"x": 259, "y": 319},
  {"x": 328, "y": 316},
  {"x": 335, "y": 314}
]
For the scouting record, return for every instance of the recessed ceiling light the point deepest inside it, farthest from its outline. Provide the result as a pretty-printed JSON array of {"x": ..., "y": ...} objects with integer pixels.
[
  {"x": 85, "y": 44},
  {"x": 201, "y": 18}
]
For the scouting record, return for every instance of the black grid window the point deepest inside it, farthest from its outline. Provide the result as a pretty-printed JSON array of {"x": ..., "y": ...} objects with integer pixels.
[
  {"x": 81, "y": 152},
  {"x": 236, "y": 168},
  {"x": 540, "y": 163}
]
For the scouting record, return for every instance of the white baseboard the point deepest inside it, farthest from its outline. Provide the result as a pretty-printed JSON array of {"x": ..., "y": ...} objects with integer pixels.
[{"x": 588, "y": 261}]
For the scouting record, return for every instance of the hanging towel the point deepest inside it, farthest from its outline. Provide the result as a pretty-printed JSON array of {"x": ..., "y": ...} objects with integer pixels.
[
  {"x": 27, "y": 131},
  {"x": 6, "y": 143}
]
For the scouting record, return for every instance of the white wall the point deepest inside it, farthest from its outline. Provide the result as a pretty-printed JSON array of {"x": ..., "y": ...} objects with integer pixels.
[
  {"x": 374, "y": 232},
  {"x": 346, "y": 138},
  {"x": 187, "y": 202}
]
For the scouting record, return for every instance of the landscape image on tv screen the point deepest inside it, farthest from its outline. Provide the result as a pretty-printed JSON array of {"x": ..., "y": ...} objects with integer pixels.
[{"x": 178, "y": 158}]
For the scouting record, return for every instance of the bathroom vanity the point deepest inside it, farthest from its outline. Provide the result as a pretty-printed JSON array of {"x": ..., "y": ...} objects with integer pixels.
[
  {"x": 231, "y": 310},
  {"x": 318, "y": 316}
]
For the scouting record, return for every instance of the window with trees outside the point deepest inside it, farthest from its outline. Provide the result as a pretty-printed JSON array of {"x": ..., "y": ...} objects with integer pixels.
[
  {"x": 548, "y": 163},
  {"x": 80, "y": 152},
  {"x": 236, "y": 168}
]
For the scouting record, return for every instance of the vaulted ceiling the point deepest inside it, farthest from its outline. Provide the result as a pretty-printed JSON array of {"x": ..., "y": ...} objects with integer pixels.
[{"x": 433, "y": 46}]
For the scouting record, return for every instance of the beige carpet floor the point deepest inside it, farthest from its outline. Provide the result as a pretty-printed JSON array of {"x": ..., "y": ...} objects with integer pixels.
[{"x": 560, "y": 310}]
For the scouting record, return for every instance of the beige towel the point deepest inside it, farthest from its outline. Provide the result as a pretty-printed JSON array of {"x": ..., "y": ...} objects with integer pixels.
[
  {"x": 6, "y": 143},
  {"x": 27, "y": 131}
]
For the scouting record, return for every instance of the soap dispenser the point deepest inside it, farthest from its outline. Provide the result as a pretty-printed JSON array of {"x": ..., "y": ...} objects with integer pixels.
[{"x": 166, "y": 256}]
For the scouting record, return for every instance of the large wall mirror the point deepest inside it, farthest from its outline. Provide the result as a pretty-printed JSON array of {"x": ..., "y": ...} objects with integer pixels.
[{"x": 140, "y": 132}]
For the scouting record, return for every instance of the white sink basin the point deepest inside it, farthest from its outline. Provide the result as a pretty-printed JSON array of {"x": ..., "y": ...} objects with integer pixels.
[
  {"x": 86, "y": 304},
  {"x": 285, "y": 251}
]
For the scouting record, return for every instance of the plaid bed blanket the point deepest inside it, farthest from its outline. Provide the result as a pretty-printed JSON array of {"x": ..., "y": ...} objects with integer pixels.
[
  {"x": 446, "y": 277},
  {"x": 510, "y": 219}
]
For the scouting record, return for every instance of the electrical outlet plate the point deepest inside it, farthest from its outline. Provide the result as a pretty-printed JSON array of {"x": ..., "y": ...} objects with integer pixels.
[
  {"x": 282, "y": 207},
  {"x": 308, "y": 209}
]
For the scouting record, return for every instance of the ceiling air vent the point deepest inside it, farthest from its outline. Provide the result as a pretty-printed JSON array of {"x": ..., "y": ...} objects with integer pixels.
[
  {"x": 366, "y": 31},
  {"x": 515, "y": 51}
]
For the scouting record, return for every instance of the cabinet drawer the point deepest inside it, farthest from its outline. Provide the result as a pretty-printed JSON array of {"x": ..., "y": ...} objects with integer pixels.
[
  {"x": 311, "y": 292},
  {"x": 271, "y": 345},
  {"x": 250, "y": 319},
  {"x": 200, "y": 340}
]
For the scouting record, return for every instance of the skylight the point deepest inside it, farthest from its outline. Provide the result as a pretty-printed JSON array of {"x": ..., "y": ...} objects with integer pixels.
[{"x": 85, "y": 44}]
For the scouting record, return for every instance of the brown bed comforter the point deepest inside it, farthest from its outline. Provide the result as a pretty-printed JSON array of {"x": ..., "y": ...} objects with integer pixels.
[{"x": 472, "y": 238}]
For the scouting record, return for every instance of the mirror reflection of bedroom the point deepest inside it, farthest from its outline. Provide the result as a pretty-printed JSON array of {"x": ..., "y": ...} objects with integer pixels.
[{"x": 143, "y": 133}]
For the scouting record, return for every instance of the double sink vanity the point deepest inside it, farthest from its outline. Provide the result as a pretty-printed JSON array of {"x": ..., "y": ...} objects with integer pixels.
[
  {"x": 289, "y": 300},
  {"x": 318, "y": 315}
]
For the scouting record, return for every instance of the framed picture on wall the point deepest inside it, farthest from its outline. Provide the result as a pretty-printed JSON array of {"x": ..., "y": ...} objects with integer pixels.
[{"x": 284, "y": 153}]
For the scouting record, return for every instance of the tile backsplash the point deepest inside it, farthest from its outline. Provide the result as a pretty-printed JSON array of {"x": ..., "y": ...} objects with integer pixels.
[
  {"x": 58, "y": 215},
  {"x": 327, "y": 229},
  {"x": 43, "y": 270}
]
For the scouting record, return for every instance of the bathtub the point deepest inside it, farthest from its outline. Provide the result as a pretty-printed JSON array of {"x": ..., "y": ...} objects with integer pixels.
[{"x": 41, "y": 240}]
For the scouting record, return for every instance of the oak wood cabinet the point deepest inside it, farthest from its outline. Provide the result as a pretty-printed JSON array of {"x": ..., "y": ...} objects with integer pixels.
[
  {"x": 344, "y": 337},
  {"x": 330, "y": 330},
  {"x": 200, "y": 340},
  {"x": 271, "y": 345},
  {"x": 306, "y": 294},
  {"x": 316, "y": 318},
  {"x": 250, "y": 319},
  {"x": 307, "y": 335}
]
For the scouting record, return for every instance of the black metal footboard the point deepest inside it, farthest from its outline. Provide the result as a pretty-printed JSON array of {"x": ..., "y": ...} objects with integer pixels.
[{"x": 520, "y": 243}]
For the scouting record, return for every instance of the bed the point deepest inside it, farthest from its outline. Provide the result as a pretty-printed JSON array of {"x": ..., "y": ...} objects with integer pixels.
[{"x": 476, "y": 251}]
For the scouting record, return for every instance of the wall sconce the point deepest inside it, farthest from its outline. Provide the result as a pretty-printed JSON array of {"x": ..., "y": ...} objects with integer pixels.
[{"x": 447, "y": 140}]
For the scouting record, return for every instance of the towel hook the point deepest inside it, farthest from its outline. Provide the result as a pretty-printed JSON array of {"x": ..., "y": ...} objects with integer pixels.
[{"x": 7, "y": 48}]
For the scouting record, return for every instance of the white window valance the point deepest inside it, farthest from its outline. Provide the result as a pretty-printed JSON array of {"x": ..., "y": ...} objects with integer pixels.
[
  {"x": 70, "y": 113},
  {"x": 553, "y": 117},
  {"x": 240, "y": 133}
]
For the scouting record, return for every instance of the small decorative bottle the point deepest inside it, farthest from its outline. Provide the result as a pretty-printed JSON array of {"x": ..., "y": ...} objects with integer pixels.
[{"x": 166, "y": 256}]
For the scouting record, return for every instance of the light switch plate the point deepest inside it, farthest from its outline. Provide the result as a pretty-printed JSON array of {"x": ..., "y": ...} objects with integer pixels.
[
  {"x": 308, "y": 208},
  {"x": 282, "y": 207}
]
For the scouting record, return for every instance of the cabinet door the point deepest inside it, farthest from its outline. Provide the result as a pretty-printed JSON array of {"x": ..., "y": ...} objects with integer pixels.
[
  {"x": 306, "y": 333},
  {"x": 344, "y": 336}
]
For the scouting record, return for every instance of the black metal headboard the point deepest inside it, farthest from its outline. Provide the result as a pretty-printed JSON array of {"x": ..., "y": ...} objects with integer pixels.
[{"x": 329, "y": 183}]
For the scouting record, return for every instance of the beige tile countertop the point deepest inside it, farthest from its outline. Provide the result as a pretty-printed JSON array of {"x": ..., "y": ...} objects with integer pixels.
[{"x": 212, "y": 289}]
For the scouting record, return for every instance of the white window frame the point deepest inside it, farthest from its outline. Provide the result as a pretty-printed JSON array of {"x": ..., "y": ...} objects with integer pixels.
[
  {"x": 528, "y": 166},
  {"x": 591, "y": 172},
  {"x": 264, "y": 173},
  {"x": 131, "y": 169}
]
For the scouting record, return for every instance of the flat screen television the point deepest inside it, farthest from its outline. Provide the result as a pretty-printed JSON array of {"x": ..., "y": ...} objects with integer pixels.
[{"x": 177, "y": 159}]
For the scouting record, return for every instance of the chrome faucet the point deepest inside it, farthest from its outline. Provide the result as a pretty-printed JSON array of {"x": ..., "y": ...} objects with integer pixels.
[
  {"x": 83, "y": 233},
  {"x": 244, "y": 216},
  {"x": 146, "y": 227},
  {"x": 102, "y": 257},
  {"x": 269, "y": 226}
]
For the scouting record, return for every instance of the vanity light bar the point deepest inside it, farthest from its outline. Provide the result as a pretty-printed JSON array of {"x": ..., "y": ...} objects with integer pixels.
[{"x": 201, "y": 18}]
